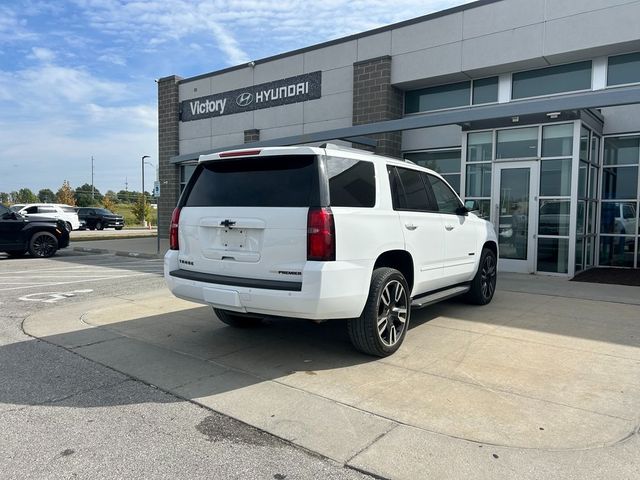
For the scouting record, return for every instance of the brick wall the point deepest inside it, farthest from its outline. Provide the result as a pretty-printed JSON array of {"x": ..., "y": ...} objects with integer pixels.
[
  {"x": 168, "y": 146},
  {"x": 375, "y": 100}
]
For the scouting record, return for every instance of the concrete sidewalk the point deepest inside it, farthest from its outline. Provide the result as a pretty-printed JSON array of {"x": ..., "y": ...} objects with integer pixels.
[
  {"x": 530, "y": 386},
  {"x": 148, "y": 247}
]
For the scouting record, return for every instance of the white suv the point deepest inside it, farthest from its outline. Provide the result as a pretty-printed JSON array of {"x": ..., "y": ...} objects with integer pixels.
[
  {"x": 322, "y": 233},
  {"x": 66, "y": 213}
]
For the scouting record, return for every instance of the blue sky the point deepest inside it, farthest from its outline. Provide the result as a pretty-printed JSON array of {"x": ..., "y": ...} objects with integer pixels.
[{"x": 77, "y": 77}]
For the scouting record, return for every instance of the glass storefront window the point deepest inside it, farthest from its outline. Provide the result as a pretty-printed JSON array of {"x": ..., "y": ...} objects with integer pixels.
[
  {"x": 617, "y": 251},
  {"x": 583, "y": 171},
  {"x": 478, "y": 180},
  {"x": 580, "y": 217},
  {"x": 618, "y": 218},
  {"x": 593, "y": 182},
  {"x": 584, "y": 144},
  {"x": 553, "y": 255},
  {"x": 557, "y": 140},
  {"x": 555, "y": 178},
  {"x": 553, "y": 217},
  {"x": 579, "y": 253},
  {"x": 624, "y": 69},
  {"x": 619, "y": 182},
  {"x": 588, "y": 254},
  {"x": 485, "y": 90},
  {"x": 551, "y": 80},
  {"x": 517, "y": 143},
  {"x": 591, "y": 217},
  {"x": 622, "y": 150},
  {"x": 479, "y": 147},
  {"x": 484, "y": 206},
  {"x": 595, "y": 150}
]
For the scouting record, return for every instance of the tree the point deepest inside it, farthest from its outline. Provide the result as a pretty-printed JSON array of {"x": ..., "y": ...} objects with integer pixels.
[
  {"x": 65, "y": 194},
  {"x": 125, "y": 196},
  {"x": 84, "y": 198},
  {"x": 4, "y": 198},
  {"x": 25, "y": 195},
  {"x": 45, "y": 195},
  {"x": 108, "y": 203},
  {"x": 113, "y": 196},
  {"x": 141, "y": 210}
]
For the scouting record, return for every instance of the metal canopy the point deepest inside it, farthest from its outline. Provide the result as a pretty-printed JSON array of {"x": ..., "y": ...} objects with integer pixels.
[{"x": 460, "y": 116}]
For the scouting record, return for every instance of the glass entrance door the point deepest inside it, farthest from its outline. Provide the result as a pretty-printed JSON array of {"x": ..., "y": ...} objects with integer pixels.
[{"x": 514, "y": 210}]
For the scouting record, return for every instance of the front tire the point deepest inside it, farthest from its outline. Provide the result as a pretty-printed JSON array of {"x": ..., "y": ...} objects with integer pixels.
[
  {"x": 483, "y": 285},
  {"x": 118, "y": 228},
  {"x": 43, "y": 245},
  {"x": 237, "y": 320},
  {"x": 68, "y": 225},
  {"x": 383, "y": 324},
  {"x": 99, "y": 226}
]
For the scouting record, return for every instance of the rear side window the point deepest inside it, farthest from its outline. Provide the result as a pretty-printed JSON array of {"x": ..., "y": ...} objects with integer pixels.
[
  {"x": 413, "y": 195},
  {"x": 46, "y": 210},
  {"x": 68, "y": 209},
  {"x": 352, "y": 183},
  {"x": 270, "y": 181}
]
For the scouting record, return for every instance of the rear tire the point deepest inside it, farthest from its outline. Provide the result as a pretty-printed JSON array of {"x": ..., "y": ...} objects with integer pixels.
[
  {"x": 483, "y": 285},
  {"x": 69, "y": 227},
  {"x": 43, "y": 245},
  {"x": 237, "y": 320},
  {"x": 383, "y": 324}
]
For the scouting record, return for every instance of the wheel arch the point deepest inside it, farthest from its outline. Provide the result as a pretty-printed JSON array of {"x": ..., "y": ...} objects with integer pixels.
[
  {"x": 401, "y": 260},
  {"x": 491, "y": 245}
]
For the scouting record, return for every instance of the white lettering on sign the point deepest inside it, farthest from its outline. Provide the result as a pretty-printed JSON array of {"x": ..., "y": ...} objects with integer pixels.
[
  {"x": 282, "y": 92},
  {"x": 208, "y": 106}
]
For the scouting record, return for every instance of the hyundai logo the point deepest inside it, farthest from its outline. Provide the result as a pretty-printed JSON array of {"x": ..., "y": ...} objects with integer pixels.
[{"x": 244, "y": 99}]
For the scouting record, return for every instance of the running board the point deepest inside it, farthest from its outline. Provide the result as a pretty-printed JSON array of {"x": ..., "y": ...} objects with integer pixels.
[{"x": 432, "y": 298}]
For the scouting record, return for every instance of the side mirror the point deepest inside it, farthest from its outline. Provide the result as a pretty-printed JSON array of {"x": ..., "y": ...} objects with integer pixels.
[{"x": 472, "y": 206}]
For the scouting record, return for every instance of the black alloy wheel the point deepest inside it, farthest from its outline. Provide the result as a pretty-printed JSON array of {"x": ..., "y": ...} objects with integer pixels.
[
  {"x": 483, "y": 285},
  {"x": 43, "y": 245}
]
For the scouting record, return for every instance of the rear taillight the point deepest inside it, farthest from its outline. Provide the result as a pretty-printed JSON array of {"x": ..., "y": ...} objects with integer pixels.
[
  {"x": 173, "y": 229},
  {"x": 321, "y": 235}
]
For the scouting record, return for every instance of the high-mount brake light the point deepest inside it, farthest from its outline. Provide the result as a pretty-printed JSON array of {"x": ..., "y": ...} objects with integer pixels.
[
  {"x": 173, "y": 229},
  {"x": 240, "y": 153},
  {"x": 321, "y": 235}
]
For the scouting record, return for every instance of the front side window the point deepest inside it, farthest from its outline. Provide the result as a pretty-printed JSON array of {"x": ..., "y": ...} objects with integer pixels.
[{"x": 446, "y": 199}]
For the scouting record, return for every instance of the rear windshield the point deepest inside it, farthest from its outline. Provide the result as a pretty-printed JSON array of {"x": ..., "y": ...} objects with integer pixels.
[{"x": 270, "y": 181}]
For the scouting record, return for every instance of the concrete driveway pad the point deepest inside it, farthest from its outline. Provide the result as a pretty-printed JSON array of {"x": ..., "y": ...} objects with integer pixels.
[{"x": 530, "y": 371}]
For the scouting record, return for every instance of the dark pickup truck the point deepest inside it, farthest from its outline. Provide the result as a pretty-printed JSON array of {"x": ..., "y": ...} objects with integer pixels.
[
  {"x": 41, "y": 237},
  {"x": 100, "y": 218}
]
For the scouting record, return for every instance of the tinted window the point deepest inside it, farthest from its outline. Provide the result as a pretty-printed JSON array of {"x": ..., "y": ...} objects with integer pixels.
[
  {"x": 270, "y": 181},
  {"x": 46, "y": 210},
  {"x": 624, "y": 69},
  {"x": 550, "y": 80},
  {"x": 352, "y": 183},
  {"x": 621, "y": 182},
  {"x": 485, "y": 90},
  {"x": 445, "y": 198},
  {"x": 68, "y": 209},
  {"x": 436, "y": 98},
  {"x": 31, "y": 210},
  {"x": 415, "y": 194},
  {"x": 3, "y": 210}
]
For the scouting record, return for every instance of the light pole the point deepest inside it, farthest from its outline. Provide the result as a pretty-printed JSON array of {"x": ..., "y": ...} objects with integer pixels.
[{"x": 142, "y": 162}]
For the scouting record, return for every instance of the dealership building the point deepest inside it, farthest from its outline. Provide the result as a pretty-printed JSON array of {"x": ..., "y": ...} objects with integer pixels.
[{"x": 529, "y": 107}]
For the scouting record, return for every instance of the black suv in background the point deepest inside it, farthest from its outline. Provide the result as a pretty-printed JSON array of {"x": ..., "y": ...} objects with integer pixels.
[
  {"x": 100, "y": 218},
  {"x": 41, "y": 237}
]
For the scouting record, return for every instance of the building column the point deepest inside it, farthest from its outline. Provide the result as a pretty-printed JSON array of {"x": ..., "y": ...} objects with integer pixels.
[
  {"x": 375, "y": 100},
  {"x": 168, "y": 146}
]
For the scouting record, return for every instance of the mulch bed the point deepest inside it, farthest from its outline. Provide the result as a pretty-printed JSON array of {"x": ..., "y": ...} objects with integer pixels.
[{"x": 617, "y": 276}]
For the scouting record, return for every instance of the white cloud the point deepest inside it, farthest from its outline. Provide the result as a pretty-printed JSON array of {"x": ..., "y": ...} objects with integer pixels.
[{"x": 42, "y": 54}]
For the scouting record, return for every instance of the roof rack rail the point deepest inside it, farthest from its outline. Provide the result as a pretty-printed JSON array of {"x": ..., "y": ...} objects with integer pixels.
[{"x": 335, "y": 146}]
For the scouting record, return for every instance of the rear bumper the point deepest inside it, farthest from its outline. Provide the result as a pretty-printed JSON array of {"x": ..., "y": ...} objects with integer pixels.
[{"x": 328, "y": 290}]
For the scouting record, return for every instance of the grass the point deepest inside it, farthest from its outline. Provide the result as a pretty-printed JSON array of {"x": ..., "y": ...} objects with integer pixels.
[{"x": 124, "y": 209}]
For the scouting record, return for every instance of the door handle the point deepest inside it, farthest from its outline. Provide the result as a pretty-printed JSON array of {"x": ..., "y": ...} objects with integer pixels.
[
  {"x": 449, "y": 227},
  {"x": 410, "y": 226}
]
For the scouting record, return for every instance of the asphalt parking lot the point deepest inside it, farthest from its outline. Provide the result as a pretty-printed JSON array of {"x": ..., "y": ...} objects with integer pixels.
[{"x": 542, "y": 383}]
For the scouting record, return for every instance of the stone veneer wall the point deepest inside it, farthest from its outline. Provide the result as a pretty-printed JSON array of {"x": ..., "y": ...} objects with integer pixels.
[
  {"x": 375, "y": 100},
  {"x": 168, "y": 146}
]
